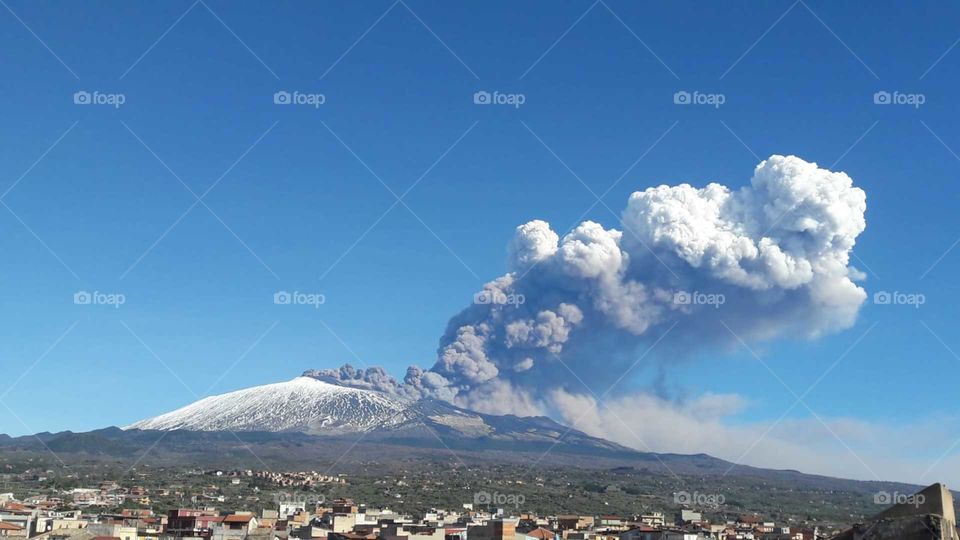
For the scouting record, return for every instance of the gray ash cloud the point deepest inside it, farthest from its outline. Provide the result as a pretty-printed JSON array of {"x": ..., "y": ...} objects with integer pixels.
[{"x": 585, "y": 306}]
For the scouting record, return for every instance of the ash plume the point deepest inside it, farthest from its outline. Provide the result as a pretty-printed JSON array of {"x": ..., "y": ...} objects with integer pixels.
[{"x": 691, "y": 269}]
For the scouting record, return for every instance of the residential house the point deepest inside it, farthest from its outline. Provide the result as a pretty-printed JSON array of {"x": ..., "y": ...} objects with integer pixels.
[
  {"x": 538, "y": 533},
  {"x": 234, "y": 527},
  {"x": 610, "y": 522},
  {"x": 113, "y": 529},
  {"x": 641, "y": 532},
  {"x": 12, "y": 530},
  {"x": 494, "y": 529},
  {"x": 191, "y": 523}
]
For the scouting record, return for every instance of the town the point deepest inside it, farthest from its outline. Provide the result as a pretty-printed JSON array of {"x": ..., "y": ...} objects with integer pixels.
[{"x": 267, "y": 505}]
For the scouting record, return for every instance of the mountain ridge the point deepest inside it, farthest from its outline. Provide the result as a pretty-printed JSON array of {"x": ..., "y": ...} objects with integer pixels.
[
  {"x": 315, "y": 407},
  {"x": 421, "y": 431},
  {"x": 296, "y": 451}
]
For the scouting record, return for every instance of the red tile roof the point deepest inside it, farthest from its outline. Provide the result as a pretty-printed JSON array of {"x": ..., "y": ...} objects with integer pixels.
[{"x": 542, "y": 533}]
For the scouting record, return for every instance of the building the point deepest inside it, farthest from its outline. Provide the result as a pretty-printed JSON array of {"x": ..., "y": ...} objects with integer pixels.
[
  {"x": 494, "y": 529},
  {"x": 234, "y": 527},
  {"x": 642, "y": 532},
  {"x": 538, "y": 533},
  {"x": 688, "y": 516},
  {"x": 578, "y": 523},
  {"x": 610, "y": 522},
  {"x": 12, "y": 530},
  {"x": 116, "y": 530},
  {"x": 191, "y": 523}
]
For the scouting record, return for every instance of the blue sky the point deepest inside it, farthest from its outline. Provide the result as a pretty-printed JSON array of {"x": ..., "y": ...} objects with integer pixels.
[{"x": 96, "y": 195}]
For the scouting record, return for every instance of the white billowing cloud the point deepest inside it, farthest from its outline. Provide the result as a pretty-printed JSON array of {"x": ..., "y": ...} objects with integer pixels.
[
  {"x": 687, "y": 268},
  {"x": 840, "y": 447},
  {"x": 534, "y": 242},
  {"x": 523, "y": 365},
  {"x": 794, "y": 222},
  {"x": 776, "y": 251},
  {"x": 501, "y": 398},
  {"x": 590, "y": 252}
]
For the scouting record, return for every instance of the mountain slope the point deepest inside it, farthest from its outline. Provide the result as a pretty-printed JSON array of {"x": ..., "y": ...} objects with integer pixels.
[
  {"x": 314, "y": 407},
  {"x": 431, "y": 421},
  {"x": 303, "y": 404},
  {"x": 310, "y": 423}
]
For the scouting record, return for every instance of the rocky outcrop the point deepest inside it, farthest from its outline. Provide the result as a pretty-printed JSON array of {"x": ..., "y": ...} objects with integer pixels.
[{"x": 925, "y": 515}]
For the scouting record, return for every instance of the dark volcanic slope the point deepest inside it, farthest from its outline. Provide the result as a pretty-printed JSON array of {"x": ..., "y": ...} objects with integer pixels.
[
  {"x": 428, "y": 429},
  {"x": 442, "y": 434},
  {"x": 434, "y": 422},
  {"x": 540, "y": 441}
]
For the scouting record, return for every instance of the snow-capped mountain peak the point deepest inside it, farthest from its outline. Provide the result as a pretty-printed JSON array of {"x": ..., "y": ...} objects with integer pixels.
[
  {"x": 302, "y": 404},
  {"x": 320, "y": 408}
]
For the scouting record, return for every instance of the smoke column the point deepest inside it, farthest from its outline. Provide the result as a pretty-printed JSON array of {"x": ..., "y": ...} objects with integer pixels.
[{"x": 691, "y": 269}]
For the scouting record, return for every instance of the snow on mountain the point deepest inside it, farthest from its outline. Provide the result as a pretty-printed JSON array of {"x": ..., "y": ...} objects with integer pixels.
[
  {"x": 303, "y": 404},
  {"x": 319, "y": 408}
]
